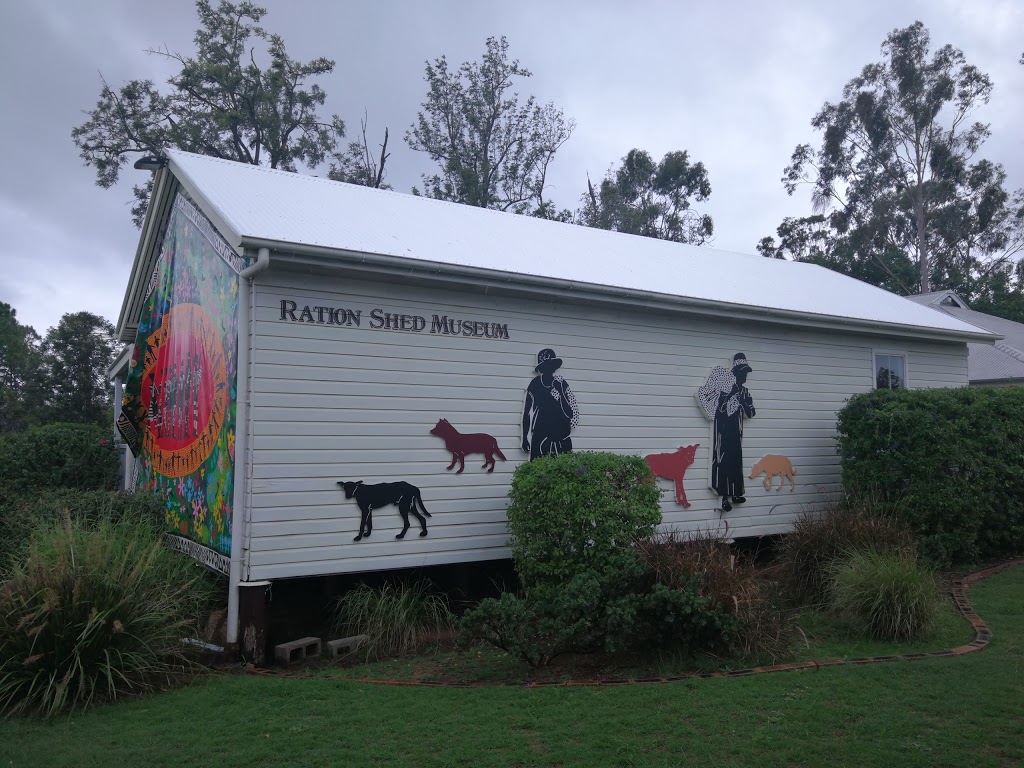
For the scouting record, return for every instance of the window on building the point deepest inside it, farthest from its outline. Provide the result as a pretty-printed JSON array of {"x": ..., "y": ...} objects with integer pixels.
[{"x": 890, "y": 371}]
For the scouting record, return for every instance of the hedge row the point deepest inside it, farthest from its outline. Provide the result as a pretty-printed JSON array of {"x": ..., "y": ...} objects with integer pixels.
[
  {"x": 949, "y": 461},
  {"x": 21, "y": 513},
  {"x": 81, "y": 456}
]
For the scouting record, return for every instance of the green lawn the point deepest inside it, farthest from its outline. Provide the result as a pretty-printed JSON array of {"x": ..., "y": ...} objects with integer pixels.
[{"x": 966, "y": 711}]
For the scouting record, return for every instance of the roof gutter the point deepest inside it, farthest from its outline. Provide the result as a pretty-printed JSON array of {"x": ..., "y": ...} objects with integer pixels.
[{"x": 332, "y": 258}]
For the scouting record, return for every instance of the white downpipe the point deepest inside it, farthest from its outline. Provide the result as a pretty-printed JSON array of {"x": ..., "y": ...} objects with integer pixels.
[
  {"x": 241, "y": 437},
  {"x": 261, "y": 263}
]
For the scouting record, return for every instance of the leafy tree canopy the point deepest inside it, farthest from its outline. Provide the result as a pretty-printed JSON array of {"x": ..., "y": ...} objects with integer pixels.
[
  {"x": 900, "y": 199},
  {"x": 19, "y": 364},
  {"x": 75, "y": 356},
  {"x": 652, "y": 199},
  {"x": 493, "y": 148},
  {"x": 221, "y": 103}
]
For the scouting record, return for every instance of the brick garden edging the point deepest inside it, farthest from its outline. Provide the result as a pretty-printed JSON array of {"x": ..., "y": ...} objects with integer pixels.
[{"x": 982, "y": 637}]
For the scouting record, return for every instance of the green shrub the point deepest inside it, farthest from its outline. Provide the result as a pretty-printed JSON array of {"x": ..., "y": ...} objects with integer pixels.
[
  {"x": 579, "y": 512},
  {"x": 889, "y": 593},
  {"x": 95, "y": 611},
  {"x": 397, "y": 618},
  {"x": 952, "y": 459},
  {"x": 820, "y": 536},
  {"x": 81, "y": 456},
  {"x": 574, "y": 520},
  {"x": 679, "y": 618},
  {"x": 585, "y": 615},
  {"x": 760, "y": 625},
  {"x": 596, "y": 577},
  {"x": 21, "y": 513},
  {"x": 543, "y": 624}
]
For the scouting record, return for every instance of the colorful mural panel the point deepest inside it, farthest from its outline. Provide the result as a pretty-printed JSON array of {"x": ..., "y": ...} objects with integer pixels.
[{"x": 178, "y": 414}]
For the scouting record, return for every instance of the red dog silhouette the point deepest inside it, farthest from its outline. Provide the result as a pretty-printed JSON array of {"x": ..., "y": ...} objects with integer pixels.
[
  {"x": 672, "y": 466},
  {"x": 462, "y": 445}
]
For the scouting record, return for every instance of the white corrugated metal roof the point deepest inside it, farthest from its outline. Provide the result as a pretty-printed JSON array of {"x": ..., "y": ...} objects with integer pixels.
[
  {"x": 262, "y": 204},
  {"x": 985, "y": 363}
]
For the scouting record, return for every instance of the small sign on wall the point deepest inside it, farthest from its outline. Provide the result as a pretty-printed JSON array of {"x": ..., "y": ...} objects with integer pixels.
[{"x": 381, "y": 319}]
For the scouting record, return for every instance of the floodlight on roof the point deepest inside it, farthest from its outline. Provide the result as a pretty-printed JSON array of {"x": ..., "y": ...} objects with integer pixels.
[{"x": 150, "y": 163}]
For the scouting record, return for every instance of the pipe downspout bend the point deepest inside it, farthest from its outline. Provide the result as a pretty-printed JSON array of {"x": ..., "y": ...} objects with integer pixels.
[{"x": 261, "y": 263}]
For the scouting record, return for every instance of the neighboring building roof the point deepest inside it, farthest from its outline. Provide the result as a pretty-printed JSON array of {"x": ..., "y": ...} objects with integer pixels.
[
  {"x": 259, "y": 207},
  {"x": 1001, "y": 363}
]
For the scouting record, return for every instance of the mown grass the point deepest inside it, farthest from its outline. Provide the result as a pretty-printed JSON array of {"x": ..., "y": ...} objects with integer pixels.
[{"x": 941, "y": 712}]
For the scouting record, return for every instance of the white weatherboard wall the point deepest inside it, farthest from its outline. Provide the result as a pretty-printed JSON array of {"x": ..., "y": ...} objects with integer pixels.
[{"x": 336, "y": 403}]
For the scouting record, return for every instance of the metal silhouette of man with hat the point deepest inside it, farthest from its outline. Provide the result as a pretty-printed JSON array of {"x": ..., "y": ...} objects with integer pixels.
[
  {"x": 725, "y": 400},
  {"x": 550, "y": 412}
]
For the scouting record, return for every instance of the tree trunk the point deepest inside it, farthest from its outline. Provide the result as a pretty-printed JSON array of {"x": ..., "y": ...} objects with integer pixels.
[{"x": 923, "y": 265}]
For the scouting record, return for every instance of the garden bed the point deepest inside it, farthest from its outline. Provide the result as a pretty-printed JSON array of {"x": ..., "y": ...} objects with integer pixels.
[{"x": 823, "y": 638}]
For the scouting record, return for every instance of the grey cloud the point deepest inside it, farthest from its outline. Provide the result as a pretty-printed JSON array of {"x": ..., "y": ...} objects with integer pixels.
[{"x": 735, "y": 84}]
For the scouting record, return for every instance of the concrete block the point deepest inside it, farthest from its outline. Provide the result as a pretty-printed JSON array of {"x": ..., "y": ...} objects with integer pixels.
[
  {"x": 297, "y": 650},
  {"x": 345, "y": 645}
]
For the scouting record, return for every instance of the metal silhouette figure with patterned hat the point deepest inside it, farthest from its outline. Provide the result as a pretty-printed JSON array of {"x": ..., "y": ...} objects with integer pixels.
[
  {"x": 726, "y": 401},
  {"x": 550, "y": 412}
]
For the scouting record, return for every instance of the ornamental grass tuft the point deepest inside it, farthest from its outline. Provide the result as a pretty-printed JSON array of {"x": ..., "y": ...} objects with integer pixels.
[
  {"x": 396, "y": 618},
  {"x": 826, "y": 534},
  {"x": 890, "y": 594},
  {"x": 93, "y": 611}
]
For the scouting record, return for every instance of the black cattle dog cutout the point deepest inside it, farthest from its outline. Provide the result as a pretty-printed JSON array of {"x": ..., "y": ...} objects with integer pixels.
[{"x": 371, "y": 497}]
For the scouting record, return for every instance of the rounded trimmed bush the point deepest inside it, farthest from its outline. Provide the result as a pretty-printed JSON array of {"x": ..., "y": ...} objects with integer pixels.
[{"x": 579, "y": 512}]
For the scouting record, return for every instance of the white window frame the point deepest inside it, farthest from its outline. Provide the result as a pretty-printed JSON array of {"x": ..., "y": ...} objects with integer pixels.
[{"x": 890, "y": 353}]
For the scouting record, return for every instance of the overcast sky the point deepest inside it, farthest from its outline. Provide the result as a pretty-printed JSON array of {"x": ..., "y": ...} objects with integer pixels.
[{"x": 735, "y": 84}]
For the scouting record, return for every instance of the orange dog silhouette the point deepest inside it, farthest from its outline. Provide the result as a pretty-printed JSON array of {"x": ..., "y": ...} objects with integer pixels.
[
  {"x": 462, "y": 445},
  {"x": 771, "y": 465},
  {"x": 672, "y": 466}
]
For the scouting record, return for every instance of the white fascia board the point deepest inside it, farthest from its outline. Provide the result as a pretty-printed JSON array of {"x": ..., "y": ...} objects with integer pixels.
[
  {"x": 386, "y": 265},
  {"x": 162, "y": 188},
  {"x": 168, "y": 182}
]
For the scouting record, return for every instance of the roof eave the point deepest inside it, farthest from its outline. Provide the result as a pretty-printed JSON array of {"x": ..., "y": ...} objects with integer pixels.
[
  {"x": 150, "y": 229},
  {"x": 333, "y": 258},
  {"x": 120, "y": 364}
]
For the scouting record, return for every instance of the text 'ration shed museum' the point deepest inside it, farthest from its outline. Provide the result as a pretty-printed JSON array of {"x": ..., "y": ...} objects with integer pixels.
[{"x": 316, "y": 366}]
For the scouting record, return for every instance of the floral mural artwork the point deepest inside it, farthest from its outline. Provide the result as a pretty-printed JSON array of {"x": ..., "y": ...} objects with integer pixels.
[{"x": 178, "y": 414}]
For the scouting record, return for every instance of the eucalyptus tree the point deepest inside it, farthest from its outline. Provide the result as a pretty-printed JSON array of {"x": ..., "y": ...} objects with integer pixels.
[
  {"x": 653, "y": 199},
  {"x": 493, "y": 148},
  {"x": 895, "y": 175},
  {"x": 220, "y": 102}
]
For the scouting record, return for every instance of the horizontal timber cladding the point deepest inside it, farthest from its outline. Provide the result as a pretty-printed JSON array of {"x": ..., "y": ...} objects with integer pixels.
[{"x": 348, "y": 401}]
